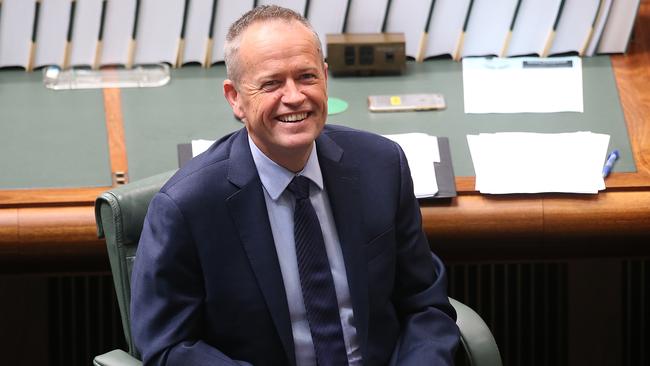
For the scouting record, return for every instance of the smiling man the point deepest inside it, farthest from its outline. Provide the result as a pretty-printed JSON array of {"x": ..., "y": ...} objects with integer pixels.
[{"x": 288, "y": 242}]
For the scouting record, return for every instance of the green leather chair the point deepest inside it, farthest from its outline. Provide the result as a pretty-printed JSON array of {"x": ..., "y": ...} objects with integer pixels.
[{"x": 120, "y": 215}]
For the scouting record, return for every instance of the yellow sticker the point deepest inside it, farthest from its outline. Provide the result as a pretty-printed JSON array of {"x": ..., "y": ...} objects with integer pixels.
[{"x": 395, "y": 100}]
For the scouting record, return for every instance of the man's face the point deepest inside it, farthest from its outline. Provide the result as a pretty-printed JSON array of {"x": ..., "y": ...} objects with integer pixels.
[{"x": 282, "y": 91}]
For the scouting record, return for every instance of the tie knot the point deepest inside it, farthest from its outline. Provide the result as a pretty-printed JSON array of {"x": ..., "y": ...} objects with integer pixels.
[{"x": 299, "y": 186}]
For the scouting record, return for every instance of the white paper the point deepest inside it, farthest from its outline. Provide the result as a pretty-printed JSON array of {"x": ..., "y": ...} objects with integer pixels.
[
  {"x": 498, "y": 85},
  {"x": 199, "y": 146},
  {"x": 421, "y": 152},
  {"x": 520, "y": 162}
]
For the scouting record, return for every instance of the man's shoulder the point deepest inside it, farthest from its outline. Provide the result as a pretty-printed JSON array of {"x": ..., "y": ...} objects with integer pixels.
[{"x": 352, "y": 139}]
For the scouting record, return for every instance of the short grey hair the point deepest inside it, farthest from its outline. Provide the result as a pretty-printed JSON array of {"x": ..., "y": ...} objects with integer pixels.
[{"x": 262, "y": 13}]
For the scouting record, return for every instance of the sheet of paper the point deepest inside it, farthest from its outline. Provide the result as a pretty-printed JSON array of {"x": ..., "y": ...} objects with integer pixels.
[
  {"x": 421, "y": 152},
  {"x": 520, "y": 85},
  {"x": 521, "y": 162},
  {"x": 199, "y": 146}
]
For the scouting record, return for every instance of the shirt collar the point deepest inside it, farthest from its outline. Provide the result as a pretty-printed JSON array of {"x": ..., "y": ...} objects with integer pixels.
[{"x": 276, "y": 178}]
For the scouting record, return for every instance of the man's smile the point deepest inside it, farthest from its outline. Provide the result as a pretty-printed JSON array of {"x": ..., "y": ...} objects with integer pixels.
[{"x": 293, "y": 117}]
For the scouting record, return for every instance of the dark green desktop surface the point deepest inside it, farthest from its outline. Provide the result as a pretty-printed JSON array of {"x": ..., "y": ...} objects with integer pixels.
[
  {"x": 58, "y": 138},
  {"x": 50, "y": 139},
  {"x": 192, "y": 106}
]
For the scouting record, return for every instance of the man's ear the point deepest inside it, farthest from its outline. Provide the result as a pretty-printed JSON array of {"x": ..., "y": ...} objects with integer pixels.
[{"x": 232, "y": 96}]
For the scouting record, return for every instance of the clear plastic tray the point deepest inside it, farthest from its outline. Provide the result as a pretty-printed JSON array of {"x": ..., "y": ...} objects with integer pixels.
[{"x": 145, "y": 76}]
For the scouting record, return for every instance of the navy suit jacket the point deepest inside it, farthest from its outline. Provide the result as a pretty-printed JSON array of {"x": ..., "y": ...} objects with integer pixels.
[{"x": 206, "y": 283}]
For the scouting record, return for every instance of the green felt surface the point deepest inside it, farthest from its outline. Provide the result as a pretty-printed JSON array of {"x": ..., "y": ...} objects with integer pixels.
[
  {"x": 50, "y": 139},
  {"x": 192, "y": 106}
]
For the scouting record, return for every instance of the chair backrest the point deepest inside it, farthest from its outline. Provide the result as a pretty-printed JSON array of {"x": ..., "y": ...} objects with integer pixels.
[{"x": 119, "y": 214}]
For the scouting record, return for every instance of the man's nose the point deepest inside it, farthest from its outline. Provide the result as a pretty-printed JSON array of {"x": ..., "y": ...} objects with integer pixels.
[{"x": 291, "y": 93}]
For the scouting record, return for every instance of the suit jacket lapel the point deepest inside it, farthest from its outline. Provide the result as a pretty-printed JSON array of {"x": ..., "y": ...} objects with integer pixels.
[
  {"x": 248, "y": 209},
  {"x": 341, "y": 177}
]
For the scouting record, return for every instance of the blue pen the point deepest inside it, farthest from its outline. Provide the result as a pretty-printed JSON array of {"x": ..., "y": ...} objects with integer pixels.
[{"x": 609, "y": 164}]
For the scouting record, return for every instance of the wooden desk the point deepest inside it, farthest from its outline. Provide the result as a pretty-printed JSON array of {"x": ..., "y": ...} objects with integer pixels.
[{"x": 55, "y": 228}]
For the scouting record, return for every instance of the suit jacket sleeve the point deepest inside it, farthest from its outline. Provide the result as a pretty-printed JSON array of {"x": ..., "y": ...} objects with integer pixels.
[
  {"x": 167, "y": 293},
  {"x": 429, "y": 335}
]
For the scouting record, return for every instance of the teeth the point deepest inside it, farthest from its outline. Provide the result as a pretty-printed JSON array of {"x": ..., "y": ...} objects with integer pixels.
[{"x": 293, "y": 117}]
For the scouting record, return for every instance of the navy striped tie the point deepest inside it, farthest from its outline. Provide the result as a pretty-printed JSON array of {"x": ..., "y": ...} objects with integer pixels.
[{"x": 316, "y": 280}]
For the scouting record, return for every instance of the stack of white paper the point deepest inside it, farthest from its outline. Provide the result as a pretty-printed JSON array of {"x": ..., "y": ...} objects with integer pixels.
[
  {"x": 421, "y": 152},
  {"x": 519, "y": 85},
  {"x": 519, "y": 162}
]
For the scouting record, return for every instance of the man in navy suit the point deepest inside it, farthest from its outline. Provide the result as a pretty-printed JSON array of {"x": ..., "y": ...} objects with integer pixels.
[{"x": 216, "y": 279}]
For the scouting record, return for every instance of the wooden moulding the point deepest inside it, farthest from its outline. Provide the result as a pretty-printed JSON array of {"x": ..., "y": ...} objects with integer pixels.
[
  {"x": 539, "y": 226},
  {"x": 56, "y": 225},
  {"x": 624, "y": 214},
  {"x": 547, "y": 216},
  {"x": 475, "y": 216},
  {"x": 50, "y": 233},
  {"x": 9, "y": 231},
  {"x": 49, "y": 196}
]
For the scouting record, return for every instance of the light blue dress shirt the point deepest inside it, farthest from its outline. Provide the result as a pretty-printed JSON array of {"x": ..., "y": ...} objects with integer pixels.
[{"x": 280, "y": 207}]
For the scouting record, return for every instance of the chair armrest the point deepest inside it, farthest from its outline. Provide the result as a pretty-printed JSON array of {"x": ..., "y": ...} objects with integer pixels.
[
  {"x": 476, "y": 338},
  {"x": 116, "y": 358}
]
